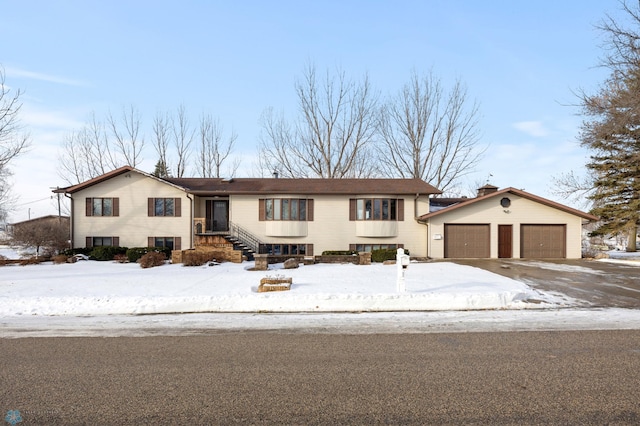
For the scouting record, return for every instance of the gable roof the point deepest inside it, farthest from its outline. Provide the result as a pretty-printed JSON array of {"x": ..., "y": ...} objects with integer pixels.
[
  {"x": 514, "y": 191},
  {"x": 216, "y": 186},
  {"x": 109, "y": 175}
]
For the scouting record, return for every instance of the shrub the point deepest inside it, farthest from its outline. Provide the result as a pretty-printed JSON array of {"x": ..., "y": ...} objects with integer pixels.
[
  {"x": 339, "y": 252},
  {"x": 60, "y": 258},
  {"x": 135, "y": 253},
  {"x": 197, "y": 258},
  {"x": 385, "y": 254},
  {"x": 30, "y": 261},
  {"x": 3, "y": 260},
  {"x": 72, "y": 252},
  {"x": 106, "y": 252},
  {"x": 153, "y": 258},
  {"x": 121, "y": 258}
]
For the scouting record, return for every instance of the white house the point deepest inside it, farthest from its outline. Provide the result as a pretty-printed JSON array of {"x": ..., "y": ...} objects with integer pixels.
[{"x": 128, "y": 207}]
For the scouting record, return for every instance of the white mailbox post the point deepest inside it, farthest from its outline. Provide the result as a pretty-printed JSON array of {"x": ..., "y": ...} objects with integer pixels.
[{"x": 402, "y": 262}]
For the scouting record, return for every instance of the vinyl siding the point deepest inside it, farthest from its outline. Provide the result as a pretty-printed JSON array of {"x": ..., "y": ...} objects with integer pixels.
[
  {"x": 133, "y": 226},
  {"x": 521, "y": 211},
  {"x": 331, "y": 228}
]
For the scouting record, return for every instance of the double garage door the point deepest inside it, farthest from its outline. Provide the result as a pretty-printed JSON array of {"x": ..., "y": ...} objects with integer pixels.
[{"x": 474, "y": 241}]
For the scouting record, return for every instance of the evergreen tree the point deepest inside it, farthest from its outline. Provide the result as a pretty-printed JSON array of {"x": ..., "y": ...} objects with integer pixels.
[
  {"x": 613, "y": 135},
  {"x": 161, "y": 170}
]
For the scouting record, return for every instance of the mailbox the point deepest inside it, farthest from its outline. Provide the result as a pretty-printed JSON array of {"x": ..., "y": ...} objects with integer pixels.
[{"x": 402, "y": 258}]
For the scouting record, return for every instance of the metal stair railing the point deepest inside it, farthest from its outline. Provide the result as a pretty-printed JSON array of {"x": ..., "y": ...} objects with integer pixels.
[{"x": 244, "y": 236}]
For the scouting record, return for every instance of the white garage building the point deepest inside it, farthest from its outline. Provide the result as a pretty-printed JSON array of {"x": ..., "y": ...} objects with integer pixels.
[{"x": 507, "y": 223}]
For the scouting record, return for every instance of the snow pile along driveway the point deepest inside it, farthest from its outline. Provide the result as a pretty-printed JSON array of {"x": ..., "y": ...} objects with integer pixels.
[{"x": 104, "y": 288}]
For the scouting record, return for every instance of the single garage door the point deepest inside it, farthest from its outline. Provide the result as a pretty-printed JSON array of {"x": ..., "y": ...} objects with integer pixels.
[
  {"x": 543, "y": 241},
  {"x": 466, "y": 241}
]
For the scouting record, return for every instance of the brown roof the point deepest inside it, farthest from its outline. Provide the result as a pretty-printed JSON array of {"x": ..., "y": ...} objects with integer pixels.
[
  {"x": 96, "y": 180},
  {"x": 213, "y": 186},
  {"x": 202, "y": 186},
  {"x": 514, "y": 191}
]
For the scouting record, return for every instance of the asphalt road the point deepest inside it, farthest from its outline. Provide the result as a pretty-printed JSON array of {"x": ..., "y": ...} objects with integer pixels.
[
  {"x": 587, "y": 377},
  {"x": 596, "y": 284}
]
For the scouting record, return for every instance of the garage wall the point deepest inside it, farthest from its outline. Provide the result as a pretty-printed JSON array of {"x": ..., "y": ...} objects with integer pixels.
[{"x": 521, "y": 211}]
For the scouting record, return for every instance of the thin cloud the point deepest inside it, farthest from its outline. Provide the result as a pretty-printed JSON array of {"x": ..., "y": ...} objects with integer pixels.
[
  {"x": 19, "y": 73},
  {"x": 532, "y": 128}
]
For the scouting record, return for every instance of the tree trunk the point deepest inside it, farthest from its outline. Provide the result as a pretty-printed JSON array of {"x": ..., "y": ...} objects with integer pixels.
[{"x": 631, "y": 244}]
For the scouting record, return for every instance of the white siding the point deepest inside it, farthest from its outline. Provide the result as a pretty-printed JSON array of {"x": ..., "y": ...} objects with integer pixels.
[
  {"x": 331, "y": 228},
  {"x": 133, "y": 226},
  {"x": 521, "y": 211}
]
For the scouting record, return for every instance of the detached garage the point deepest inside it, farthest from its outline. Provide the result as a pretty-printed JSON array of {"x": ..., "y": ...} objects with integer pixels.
[{"x": 507, "y": 223}]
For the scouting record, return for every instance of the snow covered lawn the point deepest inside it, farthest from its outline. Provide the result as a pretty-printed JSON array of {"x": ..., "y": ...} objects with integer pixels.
[{"x": 90, "y": 288}]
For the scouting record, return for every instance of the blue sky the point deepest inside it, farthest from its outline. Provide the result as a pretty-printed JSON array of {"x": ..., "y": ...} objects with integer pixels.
[{"x": 521, "y": 60}]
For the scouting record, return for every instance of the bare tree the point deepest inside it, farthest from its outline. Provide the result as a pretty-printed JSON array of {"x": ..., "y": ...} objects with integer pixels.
[
  {"x": 161, "y": 143},
  {"x": 13, "y": 141},
  {"x": 86, "y": 153},
  {"x": 49, "y": 233},
  {"x": 214, "y": 150},
  {"x": 571, "y": 186},
  {"x": 332, "y": 135},
  {"x": 429, "y": 133},
  {"x": 182, "y": 139},
  {"x": 127, "y": 141}
]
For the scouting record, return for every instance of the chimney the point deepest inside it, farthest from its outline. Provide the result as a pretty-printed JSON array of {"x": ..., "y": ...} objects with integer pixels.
[
  {"x": 275, "y": 174},
  {"x": 487, "y": 189}
]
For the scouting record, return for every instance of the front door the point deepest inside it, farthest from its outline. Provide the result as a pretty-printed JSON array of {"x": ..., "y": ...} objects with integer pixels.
[
  {"x": 217, "y": 215},
  {"x": 505, "y": 239}
]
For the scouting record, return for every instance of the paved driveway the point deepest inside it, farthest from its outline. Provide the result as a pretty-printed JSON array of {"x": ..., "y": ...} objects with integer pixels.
[{"x": 594, "y": 283}]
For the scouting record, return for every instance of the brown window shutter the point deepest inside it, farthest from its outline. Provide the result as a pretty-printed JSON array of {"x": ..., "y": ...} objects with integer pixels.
[
  {"x": 352, "y": 209},
  {"x": 177, "y": 207},
  {"x": 177, "y": 243},
  {"x": 310, "y": 210},
  {"x": 89, "y": 206},
  {"x": 400, "y": 209},
  {"x": 309, "y": 250},
  {"x": 115, "y": 241},
  {"x": 88, "y": 242},
  {"x": 151, "y": 241},
  {"x": 151, "y": 207},
  {"x": 261, "y": 210},
  {"x": 352, "y": 247},
  {"x": 400, "y": 245},
  {"x": 116, "y": 206}
]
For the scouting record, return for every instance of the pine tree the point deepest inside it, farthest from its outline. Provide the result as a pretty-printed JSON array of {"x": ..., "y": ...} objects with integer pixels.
[
  {"x": 161, "y": 170},
  {"x": 613, "y": 135}
]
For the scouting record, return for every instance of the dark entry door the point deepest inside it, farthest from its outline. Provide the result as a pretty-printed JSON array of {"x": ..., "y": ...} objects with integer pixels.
[
  {"x": 217, "y": 215},
  {"x": 505, "y": 240}
]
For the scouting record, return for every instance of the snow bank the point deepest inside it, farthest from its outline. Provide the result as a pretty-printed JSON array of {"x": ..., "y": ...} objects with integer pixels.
[{"x": 102, "y": 288}]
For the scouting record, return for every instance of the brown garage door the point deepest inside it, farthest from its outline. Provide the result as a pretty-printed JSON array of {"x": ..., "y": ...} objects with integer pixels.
[
  {"x": 466, "y": 241},
  {"x": 543, "y": 241}
]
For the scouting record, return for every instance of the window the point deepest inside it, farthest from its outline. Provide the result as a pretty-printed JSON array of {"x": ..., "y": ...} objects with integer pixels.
[
  {"x": 164, "y": 242},
  {"x": 164, "y": 207},
  {"x": 102, "y": 241},
  {"x": 102, "y": 207},
  {"x": 370, "y": 247},
  {"x": 286, "y": 209},
  {"x": 172, "y": 243},
  {"x": 376, "y": 209},
  {"x": 286, "y": 249}
]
